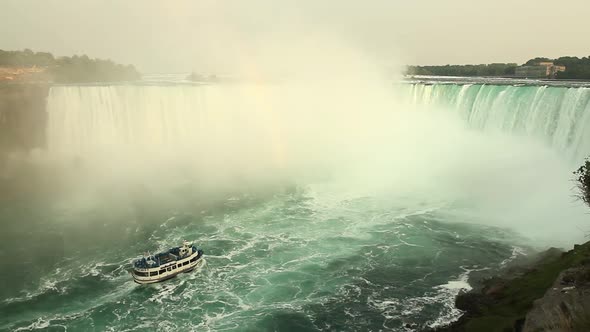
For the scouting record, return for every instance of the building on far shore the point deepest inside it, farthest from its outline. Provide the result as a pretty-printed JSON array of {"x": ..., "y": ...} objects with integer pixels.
[
  {"x": 541, "y": 70},
  {"x": 21, "y": 73}
]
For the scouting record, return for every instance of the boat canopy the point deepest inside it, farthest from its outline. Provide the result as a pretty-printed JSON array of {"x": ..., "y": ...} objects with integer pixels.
[{"x": 171, "y": 255}]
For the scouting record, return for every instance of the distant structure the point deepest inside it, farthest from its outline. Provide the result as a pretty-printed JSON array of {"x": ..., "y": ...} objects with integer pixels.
[
  {"x": 20, "y": 73},
  {"x": 541, "y": 70}
]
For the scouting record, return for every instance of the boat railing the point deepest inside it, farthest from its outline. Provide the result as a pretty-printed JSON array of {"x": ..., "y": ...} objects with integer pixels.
[{"x": 159, "y": 259}]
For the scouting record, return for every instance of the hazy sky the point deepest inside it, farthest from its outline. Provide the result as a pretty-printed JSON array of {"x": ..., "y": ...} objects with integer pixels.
[{"x": 211, "y": 35}]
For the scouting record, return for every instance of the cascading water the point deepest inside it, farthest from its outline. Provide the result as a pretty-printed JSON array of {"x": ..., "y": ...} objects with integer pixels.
[
  {"x": 317, "y": 209},
  {"x": 156, "y": 115},
  {"x": 84, "y": 118},
  {"x": 558, "y": 116}
]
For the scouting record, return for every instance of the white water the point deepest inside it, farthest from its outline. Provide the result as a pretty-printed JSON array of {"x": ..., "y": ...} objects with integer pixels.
[
  {"x": 89, "y": 118},
  {"x": 556, "y": 116},
  {"x": 514, "y": 168}
]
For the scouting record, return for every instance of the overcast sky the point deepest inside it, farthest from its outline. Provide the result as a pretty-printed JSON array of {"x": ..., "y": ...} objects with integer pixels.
[{"x": 210, "y": 35}]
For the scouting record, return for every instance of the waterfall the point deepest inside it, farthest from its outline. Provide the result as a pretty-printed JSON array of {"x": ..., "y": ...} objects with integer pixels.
[
  {"x": 82, "y": 118},
  {"x": 87, "y": 117},
  {"x": 558, "y": 116}
]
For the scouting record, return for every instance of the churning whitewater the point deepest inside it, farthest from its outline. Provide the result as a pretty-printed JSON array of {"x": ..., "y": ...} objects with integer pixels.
[{"x": 317, "y": 210}]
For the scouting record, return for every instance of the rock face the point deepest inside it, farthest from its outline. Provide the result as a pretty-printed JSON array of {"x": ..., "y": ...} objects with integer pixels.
[
  {"x": 549, "y": 293},
  {"x": 23, "y": 117},
  {"x": 565, "y": 306}
]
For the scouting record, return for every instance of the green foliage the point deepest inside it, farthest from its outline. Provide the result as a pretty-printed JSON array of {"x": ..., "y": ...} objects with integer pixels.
[
  {"x": 583, "y": 181},
  {"x": 494, "y": 69},
  {"x": 82, "y": 69},
  {"x": 25, "y": 58},
  {"x": 516, "y": 298},
  {"x": 75, "y": 69},
  {"x": 536, "y": 61},
  {"x": 575, "y": 68}
]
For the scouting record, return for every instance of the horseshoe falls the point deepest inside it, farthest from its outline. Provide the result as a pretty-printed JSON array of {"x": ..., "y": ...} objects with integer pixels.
[
  {"x": 556, "y": 116},
  {"x": 319, "y": 207}
]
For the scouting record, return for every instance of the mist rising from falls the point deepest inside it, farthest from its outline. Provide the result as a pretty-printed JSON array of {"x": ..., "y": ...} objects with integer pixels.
[
  {"x": 219, "y": 131},
  {"x": 363, "y": 141}
]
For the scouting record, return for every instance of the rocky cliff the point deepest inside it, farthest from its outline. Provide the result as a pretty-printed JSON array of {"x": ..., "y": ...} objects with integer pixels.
[
  {"x": 548, "y": 293},
  {"x": 565, "y": 306}
]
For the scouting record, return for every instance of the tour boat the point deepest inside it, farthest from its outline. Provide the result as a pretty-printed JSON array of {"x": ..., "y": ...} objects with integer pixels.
[{"x": 167, "y": 264}]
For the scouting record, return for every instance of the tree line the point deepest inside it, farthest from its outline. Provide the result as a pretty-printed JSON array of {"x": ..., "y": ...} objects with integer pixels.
[
  {"x": 576, "y": 68},
  {"x": 74, "y": 69},
  {"x": 494, "y": 69},
  {"x": 583, "y": 181}
]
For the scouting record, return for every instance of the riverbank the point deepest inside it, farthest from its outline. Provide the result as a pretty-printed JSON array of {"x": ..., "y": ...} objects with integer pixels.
[{"x": 548, "y": 293}]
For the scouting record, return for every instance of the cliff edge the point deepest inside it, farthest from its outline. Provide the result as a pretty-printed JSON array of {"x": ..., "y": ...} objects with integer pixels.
[{"x": 550, "y": 293}]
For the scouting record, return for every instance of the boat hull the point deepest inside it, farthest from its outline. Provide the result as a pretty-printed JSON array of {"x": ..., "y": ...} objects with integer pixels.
[{"x": 145, "y": 282}]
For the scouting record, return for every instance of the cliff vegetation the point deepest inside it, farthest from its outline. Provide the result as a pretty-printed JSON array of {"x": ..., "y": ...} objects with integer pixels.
[
  {"x": 27, "y": 65},
  {"x": 576, "y": 68}
]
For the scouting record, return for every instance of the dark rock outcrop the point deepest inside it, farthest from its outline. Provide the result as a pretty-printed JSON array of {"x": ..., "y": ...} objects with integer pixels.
[
  {"x": 565, "y": 306},
  {"x": 548, "y": 293}
]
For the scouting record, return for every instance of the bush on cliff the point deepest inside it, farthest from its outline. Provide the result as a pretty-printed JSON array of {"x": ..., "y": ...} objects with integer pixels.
[
  {"x": 583, "y": 181},
  {"x": 493, "y": 69}
]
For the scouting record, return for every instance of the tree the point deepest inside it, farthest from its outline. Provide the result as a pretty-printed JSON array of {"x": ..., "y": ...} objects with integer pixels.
[
  {"x": 583, "y": 181},
  {"x": 536, "y": 61},
  {"x": 494, "y": 69},
  {"x": 44, "y": 59}
]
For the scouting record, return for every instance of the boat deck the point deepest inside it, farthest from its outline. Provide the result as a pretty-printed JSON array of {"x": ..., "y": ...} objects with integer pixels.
[{"x": 160, "y": 259}]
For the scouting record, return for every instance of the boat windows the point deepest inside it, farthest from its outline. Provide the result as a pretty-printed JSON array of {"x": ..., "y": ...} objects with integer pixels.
[
  {"x": 194, "y": 259},
  {"x": 185, "y": 263},
  {"x": 141, "y": 274},
  {"x": 162, "y": 271},
  {"x": 153, "y": 273}
]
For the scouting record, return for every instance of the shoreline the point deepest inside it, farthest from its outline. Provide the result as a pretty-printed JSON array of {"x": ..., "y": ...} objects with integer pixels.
[{"x": 548, "y": 291}]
